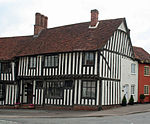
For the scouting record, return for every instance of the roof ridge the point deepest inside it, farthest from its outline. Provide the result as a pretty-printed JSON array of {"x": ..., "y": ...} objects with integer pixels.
[
  {"x": 82, "y": 23},
  {"x": 16, "y": 37}
]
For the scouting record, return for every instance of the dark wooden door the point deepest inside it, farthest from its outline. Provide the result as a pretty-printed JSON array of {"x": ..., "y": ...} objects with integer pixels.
[{"x": 29, "y": 93}]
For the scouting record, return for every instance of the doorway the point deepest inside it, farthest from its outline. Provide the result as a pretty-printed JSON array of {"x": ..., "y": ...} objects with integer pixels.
[
  {"x": 126, "y": 91},
  {"x": 27, "y": 92}
]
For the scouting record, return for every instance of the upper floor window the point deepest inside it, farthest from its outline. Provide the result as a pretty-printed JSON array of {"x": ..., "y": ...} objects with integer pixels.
[
  {"x": 5, "y": 67},
  {"x": 146, "y": 89},
  {"x": 51, "y": 61},
  {"x": 146, "y": 70},
  {"x": 88, "y": 89},
  {"x": 132, "y": 68},
  {"x": 32, "y": 63},
  {"x": 88, "y": 58}
]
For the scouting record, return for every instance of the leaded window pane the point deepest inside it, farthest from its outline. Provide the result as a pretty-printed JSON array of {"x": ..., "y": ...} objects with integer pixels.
[
  {"x": 55, "y": 89},
  {"x": 32, "y": 62},
  {"x": 89, "y": 58},
  {"x": 51, "y": 61},
  {"x": 88, "y": 89}
]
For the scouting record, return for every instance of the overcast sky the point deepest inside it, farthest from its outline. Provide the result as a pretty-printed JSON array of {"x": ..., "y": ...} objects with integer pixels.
[{"x": 17, "y": 17}]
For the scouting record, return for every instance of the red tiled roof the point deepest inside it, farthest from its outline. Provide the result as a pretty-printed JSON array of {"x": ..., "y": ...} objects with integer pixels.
[
  {"x": 141, "y": 54},
  {"x": 12, "y": 46},
  {"x": 76, "y": 37}
]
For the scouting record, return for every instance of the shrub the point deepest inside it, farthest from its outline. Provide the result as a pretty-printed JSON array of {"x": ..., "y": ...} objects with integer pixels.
[
  {"x": 142, "y": 96},
  {"x": 124, "y": 101},
  {"x": 131, "y": 101}
]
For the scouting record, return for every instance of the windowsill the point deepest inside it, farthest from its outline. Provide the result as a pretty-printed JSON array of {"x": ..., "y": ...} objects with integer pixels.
[
  {"x": 54, "y": 97},
  {"x": 88, "y": 98},
  {"x": 5, "y": 72},
  {"x": 32, "y": 67},
  {"x": 88, "y": 65},
  {"x": 133, "y": 73},
  {"x": 146, "y": 75},
  {"x": 50, "y": 67},
  {"x": 146, "y": 94}
]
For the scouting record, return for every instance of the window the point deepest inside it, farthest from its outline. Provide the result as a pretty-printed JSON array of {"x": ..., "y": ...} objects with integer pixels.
[
  {"x": 68, "y": 84},
  {"x": 32, "y": 62},
  {"x": 146, "y": 70},
  {"x": 88, "y": 89},
  {"x": 1, "y": 92},
  {"x": 54, "y": 89},
  {"x": 132, "y": 89},
  {"x": 88, "y": 58},
  {"x": 132, "y": 68},
  {"x": 5, "y": 67},
  {"x": 39, "y": 84},
  {"x": 146, "y": 89},
  {"x": 51, "y": 61}
]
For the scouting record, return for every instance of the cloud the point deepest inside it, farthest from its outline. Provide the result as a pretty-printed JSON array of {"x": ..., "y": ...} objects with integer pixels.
[{"x": 17, "y": 16}]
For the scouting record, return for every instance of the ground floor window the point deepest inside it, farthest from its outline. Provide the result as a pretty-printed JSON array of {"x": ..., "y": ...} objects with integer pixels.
[
  {"x": 39, "y": 84},
  {"x": 54, "y": 89},
  {"x": 88, "y": 89},
  {"x": 1, "y": 92},
  {"x": 146, "y": 89},
  {"x": 132, "y": 89}
]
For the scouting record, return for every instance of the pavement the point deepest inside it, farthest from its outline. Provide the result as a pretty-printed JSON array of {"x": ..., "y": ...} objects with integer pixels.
[{"x": 32, "y": 113}]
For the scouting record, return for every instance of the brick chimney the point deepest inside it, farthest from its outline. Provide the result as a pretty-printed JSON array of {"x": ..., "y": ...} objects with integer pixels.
[
  {"x": 94, "y": 18},
  {"x": 40, "y": 23}
]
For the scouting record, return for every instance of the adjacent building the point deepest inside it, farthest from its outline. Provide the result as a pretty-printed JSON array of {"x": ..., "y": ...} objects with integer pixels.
[{"x": 143, "y": 59}]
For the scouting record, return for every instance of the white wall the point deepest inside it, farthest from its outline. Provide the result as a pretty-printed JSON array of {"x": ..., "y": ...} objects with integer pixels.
[{"x": 127, "y": 78}]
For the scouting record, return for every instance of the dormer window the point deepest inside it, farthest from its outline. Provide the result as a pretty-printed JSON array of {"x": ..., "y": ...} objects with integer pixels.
[
  {"x": 51, "y": 61},
  {"x": 32, "y": 62},
  {"x": 88, "y": 58},
  {"x": 5, "y": 67}
]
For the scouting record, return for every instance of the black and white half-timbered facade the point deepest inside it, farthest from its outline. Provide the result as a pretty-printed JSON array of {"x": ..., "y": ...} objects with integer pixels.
[{"x": 75, "y": 66}]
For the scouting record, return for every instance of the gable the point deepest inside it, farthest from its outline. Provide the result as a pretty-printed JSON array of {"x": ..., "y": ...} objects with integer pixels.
[
  {"x": 120, "y": 43},
  {"x": 122, "y": 27}
]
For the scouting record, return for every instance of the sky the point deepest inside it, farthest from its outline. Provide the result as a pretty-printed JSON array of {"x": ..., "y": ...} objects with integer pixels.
[{"x": 17, "y": 17}]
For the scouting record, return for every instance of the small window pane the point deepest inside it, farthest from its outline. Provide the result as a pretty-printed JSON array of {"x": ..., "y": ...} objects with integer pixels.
[
  {"x": 93, "y": 84},
  {"x": 89, "y": 58},
  {"x": 51, "y": 61},
  {"x": 133, "y": 68},
  {"x": 32, "y": 62},
  {"x": 6, "y": 67}
]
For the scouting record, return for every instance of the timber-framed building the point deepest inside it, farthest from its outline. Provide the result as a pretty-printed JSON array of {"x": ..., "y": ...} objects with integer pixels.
[{"x": 76, "y": 66}]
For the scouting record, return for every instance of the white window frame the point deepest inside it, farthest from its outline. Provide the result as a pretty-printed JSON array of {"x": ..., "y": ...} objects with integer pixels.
[
  {"x": 133, "y": 68},
  {"x": 146, "y": 72},
  {"x": 147, "y": 90}
]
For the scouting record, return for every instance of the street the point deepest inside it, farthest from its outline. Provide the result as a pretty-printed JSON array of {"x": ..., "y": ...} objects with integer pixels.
[{"x": 139, "y": 118}]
